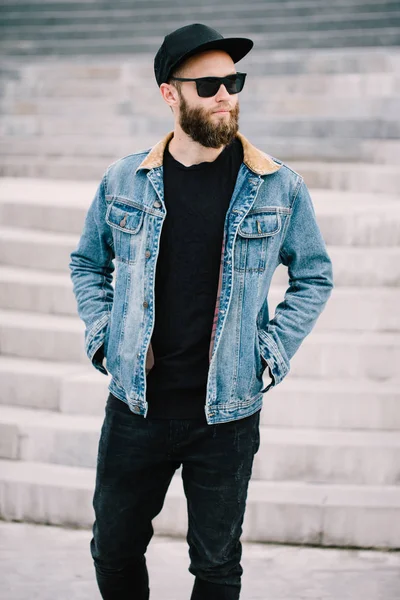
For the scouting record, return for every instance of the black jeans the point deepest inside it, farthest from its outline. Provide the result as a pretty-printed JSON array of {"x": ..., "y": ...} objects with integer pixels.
[{"x": 137, "y": 458}]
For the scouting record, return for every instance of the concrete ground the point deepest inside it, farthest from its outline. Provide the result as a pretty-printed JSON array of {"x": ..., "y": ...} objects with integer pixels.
[{"x": 39, "y": 562}]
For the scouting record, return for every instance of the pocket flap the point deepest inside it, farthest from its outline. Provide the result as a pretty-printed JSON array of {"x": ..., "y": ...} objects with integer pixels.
[
  {"x": 260, "y": 224},
  {"x": 125, "y": 217}
]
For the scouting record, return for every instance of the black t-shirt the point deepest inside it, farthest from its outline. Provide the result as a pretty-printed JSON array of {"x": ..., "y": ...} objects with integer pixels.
[{"x": 196, "y": 199}]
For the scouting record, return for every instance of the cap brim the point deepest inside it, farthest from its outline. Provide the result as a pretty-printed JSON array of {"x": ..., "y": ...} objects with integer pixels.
[{"x": 237, "y": 48}]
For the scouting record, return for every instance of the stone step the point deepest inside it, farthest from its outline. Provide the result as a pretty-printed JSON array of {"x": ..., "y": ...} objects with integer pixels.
[
  {"x": 74, "y": 388},
  {"x": 350, "y": 86},
  {"x": 36, "y": 195},
  {"x": 329, "y": 150},
  {"x": 331, "y": 403},
  {"x": 123, "y": 12},
  {"x": 349, "y": 355},
  {"x": 375, "y": 151},
  {"x": 321, "y": 126},
  {"x": 383, "y": 36},
  {"x": 347, "y": 177},
  {"x": 345, "y": 219},
  {"x": 106, "y": 24},
  {"x": 280, "y": 512},
  {"x": 49, "y": 385},
  {"x": 344, "y": 72},
  {"x": 349, "y": 309},
  {"x": 286, "y": 454},
  {"x": 117, "y": 85},
  {"x": 357, "y": 177},
  {"x": 41, "y": 195},
  {"x": 328, "y": 63},
  {"x": 21, "y": 195},
  {"x": 297, "y": 105},
  {"x": 60, "y": 206},
  {"x": 326, "y": 353},
  {"x": 35, "y": 5},
  {"x": 38, "y": 291},
  {"x": 363, "y": 60},
  {"x": 362, "y": 266},
  {"x": 46, "y": 337},
  {"x": 137, "y": 124},
  {"x": 37, "y": 249},
  {"x": 64, "y": 213}
]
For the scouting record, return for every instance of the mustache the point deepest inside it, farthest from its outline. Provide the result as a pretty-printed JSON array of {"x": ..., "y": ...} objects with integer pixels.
[{"x": 223, "y": 108}]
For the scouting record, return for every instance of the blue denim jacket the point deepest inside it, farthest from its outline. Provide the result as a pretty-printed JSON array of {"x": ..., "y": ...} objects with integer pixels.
[{"x": 270, "y": 220}]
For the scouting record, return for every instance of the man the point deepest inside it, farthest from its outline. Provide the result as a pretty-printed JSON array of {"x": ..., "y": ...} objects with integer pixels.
[{"x": 197, "y": 226}]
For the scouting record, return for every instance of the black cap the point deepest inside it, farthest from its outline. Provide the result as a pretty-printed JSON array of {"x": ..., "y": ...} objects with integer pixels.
[{"x": 192, "y": 39}]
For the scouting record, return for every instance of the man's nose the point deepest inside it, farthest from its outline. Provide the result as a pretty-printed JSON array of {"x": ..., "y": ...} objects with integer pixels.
[{"x": 222, "y": 93}]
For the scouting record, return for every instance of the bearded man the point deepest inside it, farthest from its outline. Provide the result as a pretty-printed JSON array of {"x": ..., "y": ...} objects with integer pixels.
[{"x": 197, "y": 225}]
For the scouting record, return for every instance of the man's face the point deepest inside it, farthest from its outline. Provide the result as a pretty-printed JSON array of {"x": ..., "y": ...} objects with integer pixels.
[{"x": 212, "y": 122}]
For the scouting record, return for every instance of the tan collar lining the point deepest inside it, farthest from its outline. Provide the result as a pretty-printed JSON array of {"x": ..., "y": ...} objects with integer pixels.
[{"x": 259, "y": 162}]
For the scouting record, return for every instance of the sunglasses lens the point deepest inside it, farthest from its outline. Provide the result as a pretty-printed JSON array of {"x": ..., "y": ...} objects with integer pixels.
[
  {"x": 240, "y": 79},
  {"x": 233, "y": 83},
  {"x": 206, "y": 89}
]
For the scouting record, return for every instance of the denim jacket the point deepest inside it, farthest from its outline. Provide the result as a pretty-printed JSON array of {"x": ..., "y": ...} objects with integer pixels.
[{"x": 270, "y": 220}]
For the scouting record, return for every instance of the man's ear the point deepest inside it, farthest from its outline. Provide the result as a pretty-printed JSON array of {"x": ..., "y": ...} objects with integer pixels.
[{"x": 170, "y": 94}]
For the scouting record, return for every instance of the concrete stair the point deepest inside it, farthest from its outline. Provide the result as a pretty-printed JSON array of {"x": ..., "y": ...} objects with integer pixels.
[
  {"x": 321, "y": 403},
  {"x": 74, "y": 97},
  {"x": 50, "y": 293},
  {"x": 338, "y": 104},
  {"x": 58, "y": 338},
  {"x": 355, "y": 266},
  {"x": 76, "y": 28},
  {"x": 330, "y": 441},
  {"x": 286, "y": 453},
  {"x": 287, "y": 512}
]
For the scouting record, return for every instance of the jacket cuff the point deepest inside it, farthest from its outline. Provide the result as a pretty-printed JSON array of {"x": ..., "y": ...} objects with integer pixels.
[
  {"x": 94, "y": 339},
  {"x": 271, "y": 355}
]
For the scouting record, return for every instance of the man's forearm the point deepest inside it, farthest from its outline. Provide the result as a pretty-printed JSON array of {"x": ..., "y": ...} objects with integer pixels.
[
  {"x": 304, "y": 252},
  {"x": 92, "y": 270}
]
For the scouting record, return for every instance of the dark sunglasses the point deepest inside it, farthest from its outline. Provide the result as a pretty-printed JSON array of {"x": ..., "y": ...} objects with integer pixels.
[{"x": 209, "y": 86}]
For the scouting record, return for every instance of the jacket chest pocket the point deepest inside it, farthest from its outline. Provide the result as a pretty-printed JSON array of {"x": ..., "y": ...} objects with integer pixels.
[
  {"x": 126, "y": 222},
  {"x": 258, "y": 230}
]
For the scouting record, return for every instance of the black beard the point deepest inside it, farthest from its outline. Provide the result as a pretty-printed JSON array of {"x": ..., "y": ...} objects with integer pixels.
[{"x": 196, "y": 123}]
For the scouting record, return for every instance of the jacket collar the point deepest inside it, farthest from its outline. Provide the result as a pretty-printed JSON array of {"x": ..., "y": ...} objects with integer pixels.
[{"x": 256, "y": 160}]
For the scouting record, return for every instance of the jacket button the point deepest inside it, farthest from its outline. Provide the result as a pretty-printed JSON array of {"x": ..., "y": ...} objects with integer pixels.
[
  {"x": 145, "y": 304},
  {"x": 123, "y": 222},
  {"x": 157, "y": 204},
  {"x": 147, "y": 253}
]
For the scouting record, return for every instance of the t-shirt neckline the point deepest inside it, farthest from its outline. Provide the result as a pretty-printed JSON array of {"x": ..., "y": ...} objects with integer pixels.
[{"x": 203, "y": 165}]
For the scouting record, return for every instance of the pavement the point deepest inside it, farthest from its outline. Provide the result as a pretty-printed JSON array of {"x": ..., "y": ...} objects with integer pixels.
[{"x": 40, "y": 562}]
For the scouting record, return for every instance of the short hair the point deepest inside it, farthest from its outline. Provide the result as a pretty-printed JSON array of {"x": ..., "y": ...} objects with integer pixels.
[{"x": 176, "y": 72}]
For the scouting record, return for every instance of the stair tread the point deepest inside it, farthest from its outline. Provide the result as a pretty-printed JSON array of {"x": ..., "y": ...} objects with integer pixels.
[
  {"x": 47, "y": 419},
  {"x": 35, "y": 276},
  {"x": 14, "y": 318},
  {"x": 288, "y": 492},
  {"x": 42, "y": 237},
  {"x": 37, "y": 236},
  {"x": 71, "y": 369},
  {"x": 21, "y": 319},
  {"x": 41, "y": 366},
  {"x": 67, "y": 193},
  {"x": 289, "y": 436},
  {"x": 148, "y": 43},
  {"x": 38, "y": 277}
]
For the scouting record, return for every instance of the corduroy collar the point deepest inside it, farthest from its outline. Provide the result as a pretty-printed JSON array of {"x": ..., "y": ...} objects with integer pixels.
[{"x": 256, "y": 160}]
